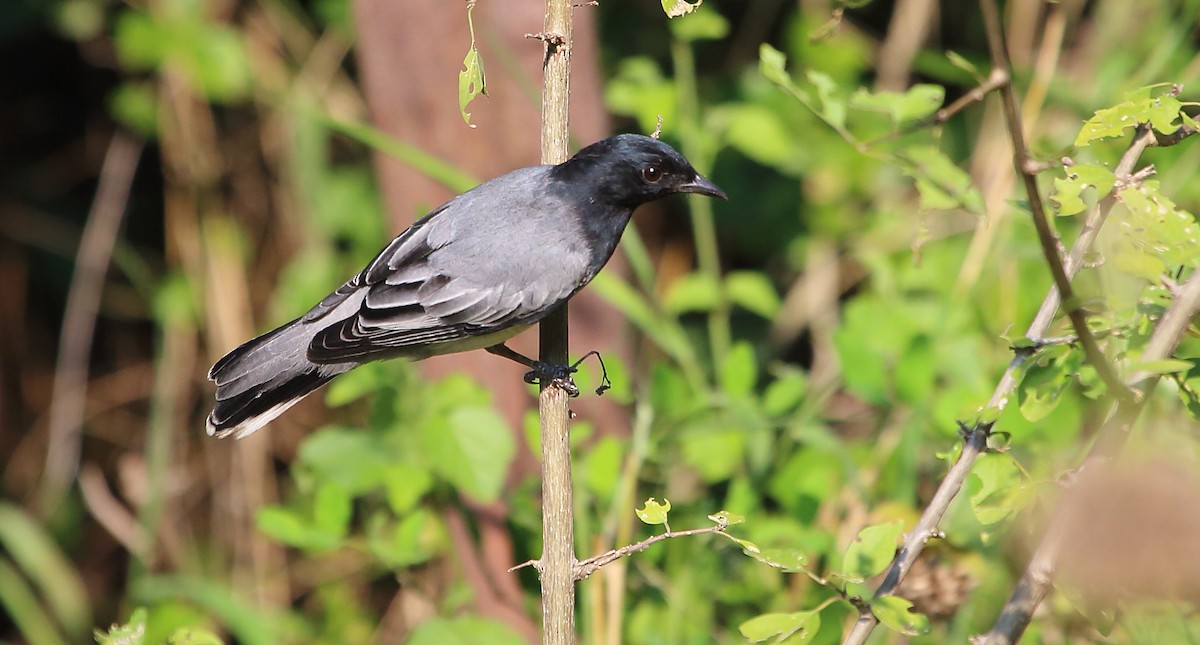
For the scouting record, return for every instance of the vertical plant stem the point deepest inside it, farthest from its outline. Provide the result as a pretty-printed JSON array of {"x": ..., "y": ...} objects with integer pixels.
[
  {"x": 171, "y": 378},
  {"x": 703, "y": 228},
  {"x": 79, "y": 319},
  {"x": 557, "y": 566}
]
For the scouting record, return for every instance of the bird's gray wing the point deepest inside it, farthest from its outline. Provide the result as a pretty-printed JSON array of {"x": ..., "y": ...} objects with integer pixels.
[{"x": 418, "y": 295}]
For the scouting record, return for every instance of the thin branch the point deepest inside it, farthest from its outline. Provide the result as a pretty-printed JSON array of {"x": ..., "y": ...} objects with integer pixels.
[
  {"x": 79, "y": 318},
  {"x": 589, "y": 566},
  {"x": 1035, "y": 583},
  {"x": 997, "y": 79},
  {"x": 976, "y": 436},
  {"x": 1049, "y": 242},
  {"x": 558, "y": 552}
]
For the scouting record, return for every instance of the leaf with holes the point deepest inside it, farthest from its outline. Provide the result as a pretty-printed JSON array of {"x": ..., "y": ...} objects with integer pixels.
[
  {"x": 471, "y": 80},
  {"x": 1108, "y": 122},
  {"x": 1068, "y": 190},
  {"x": 676, "y": 8},
  {"x": 653, "y": 513}
]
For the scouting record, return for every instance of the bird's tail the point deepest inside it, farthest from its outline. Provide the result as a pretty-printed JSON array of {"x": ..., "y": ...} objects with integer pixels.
[{"x": 263, "y": 377}]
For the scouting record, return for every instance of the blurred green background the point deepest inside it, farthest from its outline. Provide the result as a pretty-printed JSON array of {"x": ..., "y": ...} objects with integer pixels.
[{"x": 178, "y": 175}]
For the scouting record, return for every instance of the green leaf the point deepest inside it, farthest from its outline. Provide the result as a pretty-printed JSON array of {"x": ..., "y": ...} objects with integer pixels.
[
  {"x": 141, "y": 44},
  {"x": 291, "y": 527},
  {"x": 1067, "y": 190},
  {"x": 193, "y": 636},
  {"x": 471, "y": 448},
  {"x": 1108, "y": 122},
  {"x": 601, "y": 467},
  {"x": 466, "y": 630},
  {"x": 918, "y": 102},
  {"x": 759, "y": 133},
  {"x": 1163, "y": 114},
  {"x": 676, "y": 8},
  {"x": 39, "y": 560},
  {"x": 131, "y": 633},
  {"x": 753, "y": 291},
  {"x": 739, "y": 372},
  {"x": 412, "y": 540},
  {"x": 693, "y": 292},
  {"x": 406, "y": 484},
  {"x": 716, "y": 453},
  {"x": 1044, "y": 381},
  {"x": 965, "y": 65},
  {"x": 799, "y": 627},
  {"x": 332, "y": 508},
  {"x": 993, "y": 486},
  {"x": 729, "y": 519},
  {"x": 653, "y": 513},
  {"x": 220, "y": 63},
  {"x": 896, "y": 613},
  {"x": 639, "y": 89},
  {"x": 471, "y": 83},
  {"x": 786, "y": 560},
  {"x": 785, "y": 393},
  {"x": 1163, "y": 366},
  {"x": 247, "y": 623},
  {"x": 832, "y": 107},
  {"x": 940, "y": 182},
  {"x": 870, "y": 553},
  {"x": 135, "y": 105},
  {"x": 701, "y": 25},
  {"x": 772, "y": 64},
  {"x": 354, "y": 460},
  {"x": 471, "y": 79},
  {"x": 1157, "y": 228}
]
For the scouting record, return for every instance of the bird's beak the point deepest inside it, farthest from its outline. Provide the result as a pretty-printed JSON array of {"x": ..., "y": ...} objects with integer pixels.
[{"x": 702, "y": 186}]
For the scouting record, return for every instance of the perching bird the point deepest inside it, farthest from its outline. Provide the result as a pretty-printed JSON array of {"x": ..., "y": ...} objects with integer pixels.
[{"x": 469, "y": 275}]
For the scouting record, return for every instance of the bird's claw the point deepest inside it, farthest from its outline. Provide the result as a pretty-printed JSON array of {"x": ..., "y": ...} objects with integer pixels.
[{"x": 558, "y": 376}]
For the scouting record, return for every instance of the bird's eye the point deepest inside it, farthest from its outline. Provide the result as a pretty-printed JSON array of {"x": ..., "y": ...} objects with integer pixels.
[{"x": 652, "y": 174}]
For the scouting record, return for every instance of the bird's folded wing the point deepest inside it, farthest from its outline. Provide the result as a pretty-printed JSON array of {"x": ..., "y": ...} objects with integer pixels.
[{"x": 406, "y": 300}]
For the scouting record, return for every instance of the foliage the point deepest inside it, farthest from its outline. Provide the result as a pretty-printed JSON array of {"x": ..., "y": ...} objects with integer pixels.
[{"x": 804, "y": 384}]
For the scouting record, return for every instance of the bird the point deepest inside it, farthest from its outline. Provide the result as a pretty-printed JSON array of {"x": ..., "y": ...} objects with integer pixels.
[{"x": 470, "y": 274}]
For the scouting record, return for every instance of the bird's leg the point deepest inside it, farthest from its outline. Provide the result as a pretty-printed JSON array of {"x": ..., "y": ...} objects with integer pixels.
[
  {"x": 605, "y": 384},
  {"x": 557, "y": 375}
]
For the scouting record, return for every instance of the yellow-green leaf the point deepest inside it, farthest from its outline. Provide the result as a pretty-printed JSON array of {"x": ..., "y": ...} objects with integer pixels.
[
  {"x": 654, "y": 513},
  {"x": 471, "y": 80},
  {"x": 896, "y": 612},
  {"x": 871, "y": 551},
  {"x": 799, "y": 627},
  {"x": 676, "y": 8}
]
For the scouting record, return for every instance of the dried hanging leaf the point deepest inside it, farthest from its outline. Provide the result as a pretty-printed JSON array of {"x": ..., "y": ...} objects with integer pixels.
[{"x": 471, "y": 80}]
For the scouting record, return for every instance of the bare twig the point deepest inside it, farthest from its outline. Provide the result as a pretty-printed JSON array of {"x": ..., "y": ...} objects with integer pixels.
[
  {"x": 1035, "y": 582},
  {"x": 589, "y": 566},
  {"x": 1049, "y": 242},
  {"x": 79, "y": 319}
]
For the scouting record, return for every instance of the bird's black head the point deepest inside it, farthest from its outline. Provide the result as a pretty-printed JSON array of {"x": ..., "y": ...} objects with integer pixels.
[{"x": 629, "y": 170}]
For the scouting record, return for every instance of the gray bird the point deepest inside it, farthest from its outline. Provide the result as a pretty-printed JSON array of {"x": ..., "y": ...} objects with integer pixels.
[{"x": 471, "y": 274}]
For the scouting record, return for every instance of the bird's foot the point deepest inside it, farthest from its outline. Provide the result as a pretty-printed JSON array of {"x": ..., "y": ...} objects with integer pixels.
[
  {"x": 552, "y": 375},
  {"x": 560, "y": 375}
]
